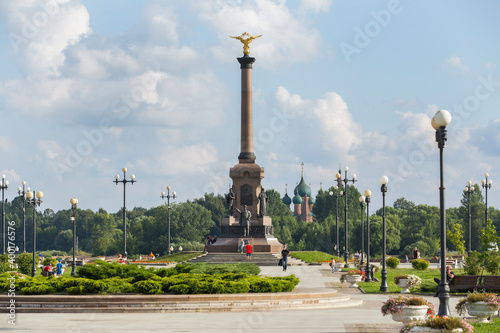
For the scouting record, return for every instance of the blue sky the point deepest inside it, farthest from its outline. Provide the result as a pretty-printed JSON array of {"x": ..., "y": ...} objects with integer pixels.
[{"x": 87, "y": 87}]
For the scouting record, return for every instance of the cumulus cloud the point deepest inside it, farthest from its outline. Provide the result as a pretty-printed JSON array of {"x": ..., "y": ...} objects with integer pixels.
[
  {"x": 286, "y": 38},
  {"x": 456, "y": 64}
]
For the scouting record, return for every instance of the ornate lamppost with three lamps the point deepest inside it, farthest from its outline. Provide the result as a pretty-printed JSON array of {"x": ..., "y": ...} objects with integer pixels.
[
  {"x": 124, "y": 181},
  {"x": 22, "y": 193},
  {"x": 34, "y": 201},
  {"x": 3, "y": 186},
  {"x": 168, "y": 196},
  {"x": 74, "y": 203},
  {"x": 345, "y": 181},
  {"x": 486, "y": 184},
  {"x": 368, "y": 195},
  {"x": 469, "y": 189},
  {"x": 337, "y": 195},
  {"x": 383, "y": 188}
]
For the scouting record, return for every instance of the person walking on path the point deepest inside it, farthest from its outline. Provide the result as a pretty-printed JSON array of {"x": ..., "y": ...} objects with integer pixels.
[
  {"x": 249, "y": 251},
  {"x": 332, "y": 264},
  {"x": 415, "y": 253},
  {"x": 284, "y": 256}
]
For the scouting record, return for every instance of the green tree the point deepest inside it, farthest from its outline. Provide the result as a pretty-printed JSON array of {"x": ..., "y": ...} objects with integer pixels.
[
  {"x": 217, "y": 206},
  {"x": 456, "y": 236}
]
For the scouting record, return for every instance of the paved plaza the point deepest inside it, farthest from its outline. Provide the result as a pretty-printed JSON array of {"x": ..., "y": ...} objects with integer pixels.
[{"x": 364, "y": 318}]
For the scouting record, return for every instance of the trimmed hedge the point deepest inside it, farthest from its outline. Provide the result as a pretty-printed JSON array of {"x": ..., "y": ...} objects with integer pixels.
[
  {"x": 97, "y": 278},
  {"x": 420, "y": 264},
  {"x": 392, "y": 262}
]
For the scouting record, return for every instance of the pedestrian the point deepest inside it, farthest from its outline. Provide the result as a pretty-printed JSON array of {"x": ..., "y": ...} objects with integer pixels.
[
  {"x": 249, "y": 251},
  {"x": 214, "y": 239},
  {"x": 406, "y": 256},
  {"x": 332, "y": 264},
  {"x": 415, "y": 253},
  {"x": 284, "y": 256},
  {"x": 242, "y": 244},
  {"x": 59, "y": 267}
]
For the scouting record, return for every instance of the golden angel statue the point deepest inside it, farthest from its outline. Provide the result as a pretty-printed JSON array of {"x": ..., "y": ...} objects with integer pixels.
[{"x": 246, "y": 39}]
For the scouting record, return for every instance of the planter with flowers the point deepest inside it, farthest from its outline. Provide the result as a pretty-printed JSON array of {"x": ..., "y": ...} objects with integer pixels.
[
  {"x": 407, "y": 309},
  {"x": 439, "y": 324},
  {"x": 352, "y": 277},
  {"x": 406, "y": 282},
  {"x": 480, "y": 305}
]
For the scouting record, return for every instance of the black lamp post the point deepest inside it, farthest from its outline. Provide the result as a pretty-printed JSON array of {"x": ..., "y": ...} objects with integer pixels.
[
  {"x": 469, "y": 189},
  {"x": 486, "y": 184},
  {"x": 124, "y": 181},
  {"x": 34, "y": 202},
  {"x": 74, "y": 203},
  {"x": 368, "y": 277},
  {"x": 22, "y": 193},
  {"x": 337, "y": 195},
  {"x": 3, "y": 186},
  {"x": 439, "y": 122},
  {"x": 346, "y": 181},
  {"x": 383, "y": 188},
  {"x": 362, "y": 206},
  {"x": 168, "y": 196}
]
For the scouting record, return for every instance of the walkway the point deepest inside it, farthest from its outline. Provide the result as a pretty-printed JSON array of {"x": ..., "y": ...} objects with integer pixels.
[{"x": 364, "y": 318}]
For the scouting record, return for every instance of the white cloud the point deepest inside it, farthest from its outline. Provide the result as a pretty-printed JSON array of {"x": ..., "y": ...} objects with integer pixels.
[
  {"x": 490, "y": 65},
  {"x": 285, "y": 37},
  {"x": 456, "y": 64},
  {"x": 314, "y": 6}
]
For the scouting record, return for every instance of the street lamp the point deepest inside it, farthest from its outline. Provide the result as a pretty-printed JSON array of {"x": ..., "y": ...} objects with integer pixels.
[
  {"x": 4, "y": 186},
  {"x": 439, "y": 122},
  {"x": 168, "y": 196},
  {"x": 34, "y": 202},
  {"x": 124, "y": 181},
  {"x": 74, "y": 203},
  {"x": 485, "y": 183},
  {"x": 22, "y": 193},
  {"x": 469, "y": 189},
  {"x": 383, "y": 188},
  {"x": 362, "y": 205},
  {"x": 346, "y": 237},
  {"x": 368, "y": 194},
  {"x": 337, "y": 246}
]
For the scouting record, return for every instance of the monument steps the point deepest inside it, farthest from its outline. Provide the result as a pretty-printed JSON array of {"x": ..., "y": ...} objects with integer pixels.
[
  {"x": 260, "y": 259},
  {"x": 315, "y": 299}
]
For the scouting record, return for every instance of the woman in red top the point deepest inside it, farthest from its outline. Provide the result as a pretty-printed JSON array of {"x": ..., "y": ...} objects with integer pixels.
[{"x": 249, "y": 251}]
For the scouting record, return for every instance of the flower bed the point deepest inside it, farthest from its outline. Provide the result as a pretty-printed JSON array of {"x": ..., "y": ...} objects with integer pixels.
[
  {"x": 492, "y": 300},
  {"x": 445, "y": 323},
  {"x": 394, "y": 304}
]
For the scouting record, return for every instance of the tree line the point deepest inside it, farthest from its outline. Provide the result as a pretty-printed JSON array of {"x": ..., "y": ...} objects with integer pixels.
[{"x": 101, "y": 233}]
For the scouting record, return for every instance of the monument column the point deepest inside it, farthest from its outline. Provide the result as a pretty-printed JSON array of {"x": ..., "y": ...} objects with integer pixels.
[{"x": 247, "y": 154}]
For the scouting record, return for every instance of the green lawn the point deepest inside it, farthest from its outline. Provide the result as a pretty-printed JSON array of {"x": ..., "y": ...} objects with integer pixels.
[
  {"x": 312, "y": 256},
  {"x": 427, "y": 276},
  {"x": 493, "y": 327}
]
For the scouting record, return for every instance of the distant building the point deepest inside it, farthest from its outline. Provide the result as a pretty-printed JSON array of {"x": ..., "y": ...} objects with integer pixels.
[{"x": 302, "y": 201}]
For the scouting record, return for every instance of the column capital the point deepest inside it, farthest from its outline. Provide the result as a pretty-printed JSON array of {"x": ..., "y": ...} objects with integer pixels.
[{"x": 246, "y": 62}]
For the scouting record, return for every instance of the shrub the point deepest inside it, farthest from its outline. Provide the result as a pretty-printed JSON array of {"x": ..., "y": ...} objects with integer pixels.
[
  {"x": 148, "y": 287},
  {"x": 205, "y": 268},
  {"x": 392, "y": 262},
  {"x": 49, "y": 261},
  {"x": 493, "y": 263},
  {"x": 473, "y": 263},
  {"x": 4, "y": 263},
  {"x": 420, "y": 264},
  {"x": 24, "y": 263}
]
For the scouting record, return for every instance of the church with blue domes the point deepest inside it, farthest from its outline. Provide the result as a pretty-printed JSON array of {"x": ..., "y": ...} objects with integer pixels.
[{"x": 302, "y": 201}]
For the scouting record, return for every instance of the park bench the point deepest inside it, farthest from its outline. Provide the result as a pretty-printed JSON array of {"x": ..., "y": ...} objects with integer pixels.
[
  {"x": 466, "y": 282},
  {"x": 449, "y": 262},
  {"x": 491, "y": 282}
]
